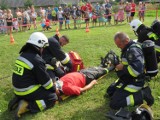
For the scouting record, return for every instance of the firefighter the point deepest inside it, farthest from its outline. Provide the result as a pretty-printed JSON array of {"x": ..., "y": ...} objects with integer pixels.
[
  {"x": 54, "y": 53},
  {"x": 129, "y": 89},
  {"x": 33, "y": 88},
  {"x": 145, "y": 33}
]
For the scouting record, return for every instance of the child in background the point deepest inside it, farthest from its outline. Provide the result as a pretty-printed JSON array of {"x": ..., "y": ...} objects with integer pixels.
[
  {"x": 94, "y": 19},
  {"x": 15, "y": 24},
  {"x": 47, "y": 23},
  {"x": 116, "y": 18},
  {"x": 67, "y": 16},
  {"x": 43, "y": 21},
  {"x": 24, "y": 24},
  {"x": 101, "y": 16}
]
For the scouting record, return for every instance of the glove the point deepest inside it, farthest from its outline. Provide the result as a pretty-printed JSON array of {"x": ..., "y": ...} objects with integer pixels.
[
  {"x": 53, "y": 62},
  {"x": 68, "y": 66}
]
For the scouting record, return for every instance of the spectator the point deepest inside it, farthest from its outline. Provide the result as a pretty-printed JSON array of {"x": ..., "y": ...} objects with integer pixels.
[
  {"x": 108, "y": 11},
  {"x": 15, "y": 24},
  {"x": 94, "y": 19},
  {"x": 9, "y": 21},
  {"x": 83, "y": 9},
  {"x": 121, "y": 12},
  {"x": 87, "y": 17},
  {"x": 49, "y": 14},
  {"x": 33, "y": 17},
  {"x": 97, "y": 7},
  {"x": 133, "y": 10},
  {"x": 60, "y": 17},
  {"x": 2, "y": 21},
  {"x": 128, "y": 10},
  {"x": 53, "y": 16},
  {"x": 19, "y": 17},
  {"x": 141, "y": 11},
  {"x": 24, "y": 22}
]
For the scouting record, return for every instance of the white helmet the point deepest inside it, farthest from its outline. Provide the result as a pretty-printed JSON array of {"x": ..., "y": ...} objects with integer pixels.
[
  {"x": 135, "y": 24},
  {"x": 145, "y": 112},
  {"x": 38, "y": 39}
]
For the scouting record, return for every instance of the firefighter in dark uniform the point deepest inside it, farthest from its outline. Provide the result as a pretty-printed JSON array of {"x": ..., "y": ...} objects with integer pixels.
[
  {"x": 54, "y": 53},
  {"x": 32, "y": 85},
  {"x": 145, "y": 33},
  {"x": 128, "y": 89}
]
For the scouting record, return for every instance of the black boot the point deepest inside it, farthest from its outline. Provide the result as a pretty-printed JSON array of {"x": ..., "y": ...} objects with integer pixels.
[
  {"x": 147, "y": 96},
  {"x": 13, "y": 103}
]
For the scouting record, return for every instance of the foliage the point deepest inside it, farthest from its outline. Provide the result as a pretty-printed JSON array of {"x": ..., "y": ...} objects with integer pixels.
[
  {"x": 3, "y": 5},
  {"x": 28, "y": 3}
]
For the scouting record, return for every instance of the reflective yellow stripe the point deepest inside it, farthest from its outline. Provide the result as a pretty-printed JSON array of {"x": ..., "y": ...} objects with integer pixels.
[
  {"x": 41, "y": 105},
  {"x": 49, "y": 86},
  {"x": 124, "y": 63},
  {"x": 66, "y": 60},
  {"x": 23, "y": 64},
  {"x": 153, "y": 35},
  {"x": 131, "y": 72},
  {"x": 78, "y": 67},
  {"x": 49, "y": 67},
  {"x": 28, "y": 91},
  {"x": 131, "y": 100},
  {"x": 130, "y": 89},
  {"x": 158, "y": 50}
]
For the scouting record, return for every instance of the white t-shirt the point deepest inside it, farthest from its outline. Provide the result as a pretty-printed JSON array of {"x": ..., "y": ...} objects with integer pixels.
[{"x": 60, "y": 14}]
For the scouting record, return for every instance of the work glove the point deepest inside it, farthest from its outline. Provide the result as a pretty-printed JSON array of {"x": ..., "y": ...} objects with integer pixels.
[{"x": 53, "y": 62}]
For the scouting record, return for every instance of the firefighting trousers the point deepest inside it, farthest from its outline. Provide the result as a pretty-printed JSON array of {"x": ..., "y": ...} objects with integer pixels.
[
  {"x": 40, "y": 100},
  {"x": 122, "y": 98}
]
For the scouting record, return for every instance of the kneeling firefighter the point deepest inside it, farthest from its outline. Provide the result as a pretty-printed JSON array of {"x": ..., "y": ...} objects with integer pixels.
[
  {"x": 129, "y": 89},
  {"x": 54, "y": 53},
  {"x": 33, "y": 88},
  {"x": 145, "y": 33}
]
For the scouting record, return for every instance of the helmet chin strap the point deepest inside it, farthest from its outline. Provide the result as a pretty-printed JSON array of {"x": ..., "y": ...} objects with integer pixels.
[{"x": 135, "y": 33}]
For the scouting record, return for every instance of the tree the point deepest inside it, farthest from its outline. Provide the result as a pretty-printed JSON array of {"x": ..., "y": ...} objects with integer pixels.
[
  {"x": 28, "y": 3},
  {"x": 3, "y": 5}
]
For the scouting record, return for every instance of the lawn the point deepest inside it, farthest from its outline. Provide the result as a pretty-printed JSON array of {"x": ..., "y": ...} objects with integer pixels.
[{"x": 91, "y": 105}]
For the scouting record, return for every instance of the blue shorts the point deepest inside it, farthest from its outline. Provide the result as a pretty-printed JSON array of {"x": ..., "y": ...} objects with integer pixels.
[
  {"x": 67, "y": 21},
  {"x": 61, "y": 21}
]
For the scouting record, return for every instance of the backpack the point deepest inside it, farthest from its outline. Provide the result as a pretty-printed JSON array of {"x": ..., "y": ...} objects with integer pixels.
[
  {"x": 77, "y": 62},
  {"x": 156, "y": 27}
]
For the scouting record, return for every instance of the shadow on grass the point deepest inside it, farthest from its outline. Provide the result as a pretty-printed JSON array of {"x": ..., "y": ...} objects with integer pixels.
[{"x": 93, "y": 114}]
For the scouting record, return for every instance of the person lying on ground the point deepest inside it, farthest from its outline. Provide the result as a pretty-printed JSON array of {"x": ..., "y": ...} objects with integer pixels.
[{"x": 77, "y": 82}]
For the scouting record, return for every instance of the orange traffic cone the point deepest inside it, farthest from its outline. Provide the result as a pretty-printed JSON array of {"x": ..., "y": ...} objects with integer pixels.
[
  {"x": 57, "y": 31},
  {"x": 87, "y": 29},
  {"x": 11, "y": 39}
]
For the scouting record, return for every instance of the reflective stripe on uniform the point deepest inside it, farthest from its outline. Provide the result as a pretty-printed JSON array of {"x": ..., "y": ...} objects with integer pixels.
[
  {"x": 130, "y": 100},
  {"x": 26, "y": 61},
  {"x": 130, "y": 88},
  {"x": 26, "y": 91},
  {"x": 67, "y": 58},
  {"x": 132, "y": 72},
  {"x": 49, "y": 67},
  {"x": 124, "y": 61},
  {"x": 152, "y": 35},
  {"x": 48, "y": 85},
  {"x": 41, "y": 104},
  {"x": 157, "y": 48},
  {"x": 136, "y": 45},
  {"x": 153, "y": 71},
  {"x": 23, "y": 64}
]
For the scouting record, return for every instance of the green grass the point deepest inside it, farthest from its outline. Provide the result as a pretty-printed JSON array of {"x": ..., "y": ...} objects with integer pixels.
[{"x": 91, "y": 46}]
